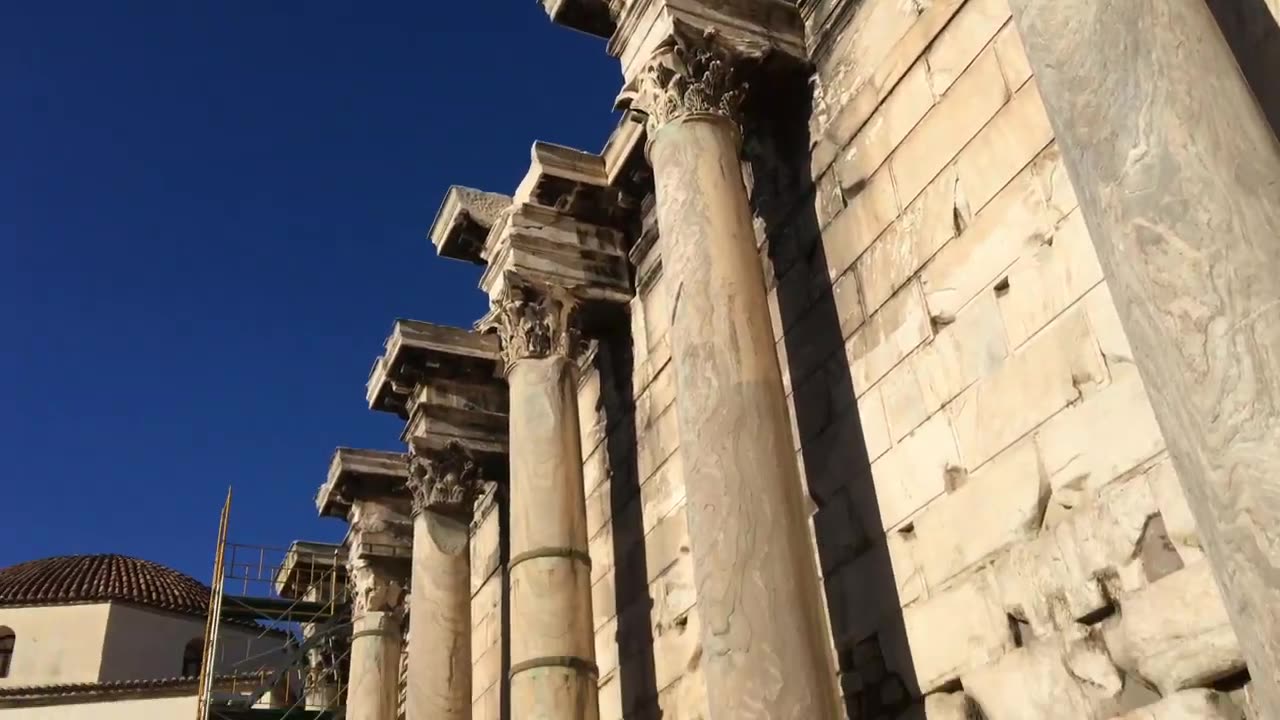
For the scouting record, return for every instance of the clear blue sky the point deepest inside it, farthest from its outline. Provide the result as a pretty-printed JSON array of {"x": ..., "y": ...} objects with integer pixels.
[{"x": 210, "y": 214}]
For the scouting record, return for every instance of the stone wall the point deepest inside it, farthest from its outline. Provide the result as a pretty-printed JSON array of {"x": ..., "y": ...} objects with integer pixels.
[
  {"x": 488, "y": 596},
  {"x": 997, "y": 521}
]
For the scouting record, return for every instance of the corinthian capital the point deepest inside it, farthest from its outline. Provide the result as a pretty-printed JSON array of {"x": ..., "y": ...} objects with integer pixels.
[
  {"x": 373, "y": 588},
  {"x": 533, "y": 321},
  {"x": 683, "y": 79},
  {"x": 445, "y": 481}
]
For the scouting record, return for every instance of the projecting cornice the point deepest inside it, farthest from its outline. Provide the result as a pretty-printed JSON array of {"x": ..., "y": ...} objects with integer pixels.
[
  {"x": 416, "y": 351},
  {"x": 463, "y": 222},
  {"x": 361, "y": 475}
]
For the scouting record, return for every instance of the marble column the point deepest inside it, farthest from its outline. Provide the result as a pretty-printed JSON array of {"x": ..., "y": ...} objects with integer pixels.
[
  {"x": 444, "y": 484},
  {"x": 1178, "y": 175},
  {"x": 765, "y": 646},
  {"x": 375, "y": 641},
  {"x": 553, "y": 668}
]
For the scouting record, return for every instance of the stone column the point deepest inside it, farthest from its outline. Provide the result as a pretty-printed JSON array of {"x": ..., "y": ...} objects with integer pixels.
[
  {"x": 553, "y": 669},
  {"x": 375, "y": 641},
  {"x": 765, "y": 647},
  {"x": 444, "y": 484},
  {"x": 1178, "y": 175}
]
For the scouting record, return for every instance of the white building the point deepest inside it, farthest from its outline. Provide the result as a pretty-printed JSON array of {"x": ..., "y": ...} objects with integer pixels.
[{"x": 108, "y": 636}]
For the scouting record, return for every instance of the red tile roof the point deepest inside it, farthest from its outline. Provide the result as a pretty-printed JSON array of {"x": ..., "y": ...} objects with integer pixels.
[
  {"x": 180, "y": 685},
  {"x": 102, "y": 578}
]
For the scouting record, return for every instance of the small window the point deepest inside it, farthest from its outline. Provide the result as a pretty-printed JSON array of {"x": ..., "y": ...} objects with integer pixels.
[
  {"x": 7, "y": 640},
  {"x": 192, "y": 658}
]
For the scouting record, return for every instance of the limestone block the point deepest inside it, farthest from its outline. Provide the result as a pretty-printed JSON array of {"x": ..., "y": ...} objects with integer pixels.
[
  {"x": 1090, "y": 444},
  {"x": 872, "y": 205},
  {"x": 673, "y": 593},
  {"x": 1013, "y": 57},
  {"x": 839, "y": 533},
  {"x": 903, "y": 400},
  {"x": 1047, "y": 375},
  {"x": 1026, "y": 210},
  {"x": 874, "y": 423},
  {"x": 599, "y": 500},
  {"x": 822, "y": 398},
  {"x": 686, "y": 699},
  {"x": 828, "y": 198},
  {"x": 486, "y": 551},
  {"x": 916, "y": 470},
  {"x": 677, "y": 648},
  {"x": 949, "y": 706},
  {"x": 961, "y": 353},
  {"x": 1105, "y": 322},
  {"x": 486, "y": 672},
  {"x": 663, "y": 492},
  {"x": 591, "y": 416},
  {"x": 1048, "y": 279},
  {"x": 956, "y": 631},
  {"x": 844, "y": 293},
  {"x": 489, "y": 705},
  {"x": 887, "y": 337},
  {"x": 972, "y": 101},
  {"x": 655, "y": 445},
  {"x": 835, "y": 460},
  {"x": 655, "y": 400},
  {"x": 1058, "y": 679},
  {"x": 1057, "y": 579},
  {"x": 610, "y": 697},
  {"x": 1001, "y": 504},
  {"x": 1199, "y": 704},
  {"x": 1013, "y": 138},
  {"x": 851, "y": 87},
  {"x": 1178, "y": 520},
  {"x": 1175, "y": 633},
  {"x": 887, "y": 127},
  {"x": 870, "y": 37},
  {"x": 604, "y": 599},
  {"x": 487, "y": 599},
  {"x": 967, "y": 34},
  {"x": 875, "y": 586},
  {"x": 932, "y": 219},
  {"x": 812, "y": 340},
  {"x": 595, "y": 473}
]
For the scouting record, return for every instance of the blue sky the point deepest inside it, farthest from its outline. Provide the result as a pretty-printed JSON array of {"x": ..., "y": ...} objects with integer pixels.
[{"x": 210, "y": 214}]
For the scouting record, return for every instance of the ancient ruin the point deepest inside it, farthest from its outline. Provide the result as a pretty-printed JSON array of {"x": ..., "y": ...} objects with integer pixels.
[{"x": 894, "y": 359}]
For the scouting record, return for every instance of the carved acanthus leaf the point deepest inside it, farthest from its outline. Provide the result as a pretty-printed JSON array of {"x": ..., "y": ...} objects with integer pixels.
[
  {"x": 533, "y": 321},
  {"x": 444, "y": 481},
  {"x": 373, "y": 589},
  {"x": 685, "y": 79}
]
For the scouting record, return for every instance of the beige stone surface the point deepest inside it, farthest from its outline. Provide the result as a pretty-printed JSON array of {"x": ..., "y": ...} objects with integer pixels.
[
  {"x": 1057, "y": 679},
  {"x": 1178, "y": 520},
  {"x": 1197, "y": 704},
  {"x": 1051, "y": 372},
  {"x": 1059, "y": 577},
  {"x": 1013, "y": 57},
  {"x": 959, "y": 115},
  {"x": 1175, "y": 633},
  {"x": 956, "y": 631},
  {"x": 872, "y": 205},
  {"x": 916, "y": 470},
  {"x": 964, "y": 37},
  {"x": 887, "y": 337},
  {"x": 887, "y": 127},
  {"x": 1020, "y": 217},
  {"x": 961, "y": 353},
  {"x": 1001, "y": 504},
  {"x": 1015, "y": 136}
]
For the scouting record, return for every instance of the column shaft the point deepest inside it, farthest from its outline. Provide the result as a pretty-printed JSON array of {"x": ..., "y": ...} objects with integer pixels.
[
  {"x": 1178, "y": 175},
  {"x": 440, "y": 625},
  {"x": 764, "y": 639},
  {"x": 375, "y": 661},
  {"x": 553, "y": 673}
]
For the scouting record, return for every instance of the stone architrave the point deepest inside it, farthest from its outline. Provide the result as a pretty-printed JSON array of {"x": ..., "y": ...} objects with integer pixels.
[
  {"x": 765, "y": 643},
  {"x": 367, "y": 489},
  {"x": 444, "y": 382},
  {"x": 1178, "y": 174}
]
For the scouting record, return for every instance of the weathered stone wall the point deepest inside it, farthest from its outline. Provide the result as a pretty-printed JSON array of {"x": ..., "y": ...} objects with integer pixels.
[
  {"x": 488, "y": 600},
  {"x": 996, "y": 519}
]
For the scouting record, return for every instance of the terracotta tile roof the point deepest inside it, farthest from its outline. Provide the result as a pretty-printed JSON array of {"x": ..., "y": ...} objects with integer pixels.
[
  {"x": 122, "y": 687},
  {"x": 102, "y": 578}
]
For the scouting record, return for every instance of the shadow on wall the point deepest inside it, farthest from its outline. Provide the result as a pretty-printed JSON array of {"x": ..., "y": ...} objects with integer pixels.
[
  {"x": 1254, "y": 36},
  {"x": 637, "y": 674},
  {"x": 876, "y": 674},
  {"x": 504, "y": 608}
]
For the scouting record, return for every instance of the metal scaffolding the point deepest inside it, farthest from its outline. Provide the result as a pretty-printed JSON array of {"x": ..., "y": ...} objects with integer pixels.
[{"x": 277, "y": 635}]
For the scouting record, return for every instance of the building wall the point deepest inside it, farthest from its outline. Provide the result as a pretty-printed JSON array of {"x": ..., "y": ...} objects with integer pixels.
[
  {"x": 61, "y": 644},
  {"x": 488, "y": 598},
  {"x": 991, "y": 491},
  {"x": 148, "y": 644},
  {"x": 167, "y": 708}
]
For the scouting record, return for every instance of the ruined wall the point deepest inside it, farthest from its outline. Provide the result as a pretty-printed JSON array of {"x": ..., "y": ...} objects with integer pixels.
[
  {"x": 488, "y": 600},
  {"x": 997, "y": 521}
]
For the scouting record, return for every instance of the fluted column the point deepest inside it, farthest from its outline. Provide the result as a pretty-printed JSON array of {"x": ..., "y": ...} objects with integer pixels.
[
  {"x": 764, "y": 640},
  {"x": 553, "y": 669},
  {"x": 444, "y": 484},
  {"x": 375, "y": 641}
]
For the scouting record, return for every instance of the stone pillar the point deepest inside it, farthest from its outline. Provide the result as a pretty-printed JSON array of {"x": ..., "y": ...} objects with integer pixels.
[
  {"x": 1178, "y": 175},
  {"x": 553, "y": 668},
  {"x": 375, "y": 641},
  {"x": 444, "y": 484},
  {"x": 765, "y": 647}
]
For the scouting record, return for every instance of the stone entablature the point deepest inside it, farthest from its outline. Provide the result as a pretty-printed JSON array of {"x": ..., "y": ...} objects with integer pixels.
[
  {"x": 418, "y": 350},
  {"x": 463, "y": 222}
]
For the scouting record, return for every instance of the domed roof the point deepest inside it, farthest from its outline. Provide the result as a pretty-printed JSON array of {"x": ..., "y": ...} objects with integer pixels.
[{"x": 101, "y": 578}]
